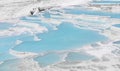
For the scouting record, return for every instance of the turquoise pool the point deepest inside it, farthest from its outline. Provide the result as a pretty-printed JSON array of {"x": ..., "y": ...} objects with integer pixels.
[
  {"x": 117, "y": 25},
  {"x": 67, "y": 37},
  {"x": 4, "y": 25},
  {"x": 78, "y": 56},
  {"x": 43, "y": 60},
  {"x": 90, "y": 12}
]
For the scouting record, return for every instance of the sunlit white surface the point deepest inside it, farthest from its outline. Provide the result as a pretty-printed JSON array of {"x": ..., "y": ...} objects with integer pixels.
[{"x": 25, "y": 29}]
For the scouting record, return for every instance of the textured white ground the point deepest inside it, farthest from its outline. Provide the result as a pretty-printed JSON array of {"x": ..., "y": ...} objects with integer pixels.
[
  {"x": 107, "y": 54},
  {"x": 17, "y": 8}
]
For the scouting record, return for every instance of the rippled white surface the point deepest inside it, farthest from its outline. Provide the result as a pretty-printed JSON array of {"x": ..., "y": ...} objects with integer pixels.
[{"x": 44, "y": 29}]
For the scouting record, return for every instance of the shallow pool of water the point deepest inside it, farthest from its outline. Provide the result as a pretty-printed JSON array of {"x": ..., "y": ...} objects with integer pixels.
[
  {"x": 48, "y": 59},
  {"x": 91, "y": 12},
  {"x": 117, "y": 25},
  {"x": 78, "y": 56},
  {"x": 4, "y": 25},
  {"x": 6, "y": 56},
  {"x": 65, "y": 38}
]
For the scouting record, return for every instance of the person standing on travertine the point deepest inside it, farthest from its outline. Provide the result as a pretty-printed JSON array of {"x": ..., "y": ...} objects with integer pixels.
[{"x": 33, "y": 11}]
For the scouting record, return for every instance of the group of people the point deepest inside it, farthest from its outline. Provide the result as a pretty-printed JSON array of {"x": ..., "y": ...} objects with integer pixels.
[{"x": 32, "y": 12}]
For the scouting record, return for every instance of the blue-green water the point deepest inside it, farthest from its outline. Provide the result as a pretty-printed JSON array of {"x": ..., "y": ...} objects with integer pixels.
[
  {"x": 65, "y": 38},
  {"x": 6, "y": 43},
  {"x": 117, "y": 25},
  {"x": 75, "y": 56},
  {"x": 48, "y": 59},
  {"x": 4, "y": 25},
  {"x": 6, "y": 56},
  {"x": 90, "y": 12}
]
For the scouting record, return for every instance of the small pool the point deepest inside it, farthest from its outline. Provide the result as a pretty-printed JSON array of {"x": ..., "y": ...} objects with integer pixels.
[
  {"x": 117, "y": 25},
  {"x": 7, "y": 43},
  {"x": 90, "y": 12},
  {"x": 48, "y": 59},
  {"x": 6, "y": 56},
  {"x": 78, "y": 56},
  {"x": 4, "y": 25}
]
